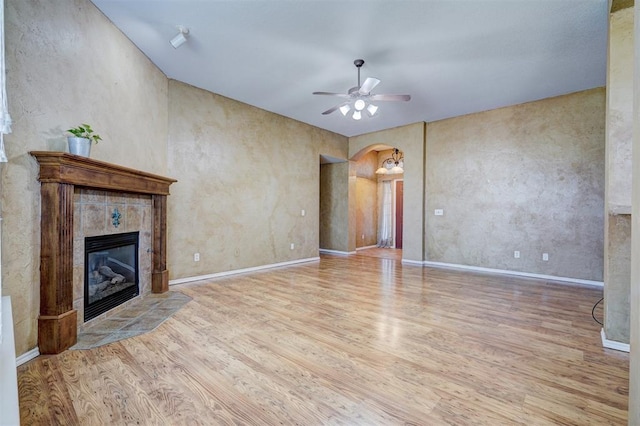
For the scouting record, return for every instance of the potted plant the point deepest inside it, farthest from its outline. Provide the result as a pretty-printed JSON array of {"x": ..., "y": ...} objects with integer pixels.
[{"x": 83, "y": 137}]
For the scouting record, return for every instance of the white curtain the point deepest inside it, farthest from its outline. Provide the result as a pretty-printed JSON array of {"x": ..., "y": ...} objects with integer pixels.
[
  {"x": 5, "y": 118},
  {"x": 385, "y": 234}
]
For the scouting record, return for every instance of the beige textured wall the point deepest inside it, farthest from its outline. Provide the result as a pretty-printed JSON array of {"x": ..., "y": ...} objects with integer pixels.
[
  {"x": 528, "y": 178},
  {"x": 67, "y": 64},
  {"x": 410, "y": 140},
  {"x": 334, "y": 206},
  {"x": 634, "y": 371},
  {"x": 367, "y": 200},
  {"x": 619, "y": 128},
  {"x": 619, "y": 124},
  {"x": 244, "y": 175}
]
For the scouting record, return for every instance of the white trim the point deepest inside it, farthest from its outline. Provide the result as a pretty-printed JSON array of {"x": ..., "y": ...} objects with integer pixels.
[
  {"x": 27, "y": 356},
  {"x": 516, "y": 273},
  {"x": 612, "y": 344},
  {"x": 366, "y": 247},
  {"x": 9, "y": 406},
  {"x": 412, "y": 262},
  {"x": 341, "y": 253},
  {"x": 241, "y": 271}
]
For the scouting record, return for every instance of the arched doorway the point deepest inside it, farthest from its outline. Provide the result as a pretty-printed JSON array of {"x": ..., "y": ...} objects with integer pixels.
[{"x": 379, "y": 200}]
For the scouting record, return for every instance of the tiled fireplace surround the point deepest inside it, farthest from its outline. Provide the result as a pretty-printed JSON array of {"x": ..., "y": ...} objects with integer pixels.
[
  {"x": 78, "y": 198},
  {"x": 92, "y": 216}
]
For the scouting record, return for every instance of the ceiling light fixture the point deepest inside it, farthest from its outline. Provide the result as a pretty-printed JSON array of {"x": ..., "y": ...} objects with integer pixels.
[
  {"x": 181, "y": 38},
  {"x": 358, "y": 98},
  {"x": 358, "y": 106},
  {"x": 393, "y": 165},
  {"x": 358, "y": 103}
]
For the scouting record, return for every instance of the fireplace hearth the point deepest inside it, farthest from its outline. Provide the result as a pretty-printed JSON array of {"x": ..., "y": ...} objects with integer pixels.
[{"x": 111, "y": 272}]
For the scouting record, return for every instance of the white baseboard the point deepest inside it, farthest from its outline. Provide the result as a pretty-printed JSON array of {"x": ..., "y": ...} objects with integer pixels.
[
  {"x": 412, "y": 262},
  {"x": 516, "y": 273},
  {"x": 366, "y": 247},
  {"x": 241, "y": 271},
  {"x": 340, "y": 253},
  {"x": 612, "y": 344},
  {"x": 27, "y": 356}
]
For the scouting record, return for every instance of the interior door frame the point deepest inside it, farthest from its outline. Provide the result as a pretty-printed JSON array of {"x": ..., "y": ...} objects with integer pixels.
[{"x": 394, "y": 201}]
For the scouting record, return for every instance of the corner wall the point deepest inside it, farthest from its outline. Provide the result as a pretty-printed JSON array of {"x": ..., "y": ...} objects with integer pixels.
[
  {"x": 634, "y": 370},
  {"x": 619, "y": 116},
  {"x": 61, "y": 72}
]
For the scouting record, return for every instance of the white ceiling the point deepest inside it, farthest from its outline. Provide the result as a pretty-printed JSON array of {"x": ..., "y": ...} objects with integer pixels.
[{"x": 453, "y": 57}]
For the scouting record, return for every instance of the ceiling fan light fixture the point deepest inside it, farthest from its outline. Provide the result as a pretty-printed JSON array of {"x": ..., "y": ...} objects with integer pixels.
[{"x": 358, "y": 97}]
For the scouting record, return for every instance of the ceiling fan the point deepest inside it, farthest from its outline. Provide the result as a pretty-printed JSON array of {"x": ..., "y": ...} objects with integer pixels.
[{"x": 359, "y": 98}]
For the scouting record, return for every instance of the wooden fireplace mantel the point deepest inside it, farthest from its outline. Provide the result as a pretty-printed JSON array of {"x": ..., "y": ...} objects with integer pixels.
[{"x": 59, "y": 174}]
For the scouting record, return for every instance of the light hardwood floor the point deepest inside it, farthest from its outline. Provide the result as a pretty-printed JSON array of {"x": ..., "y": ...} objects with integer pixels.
[{"x": 347, "y": 340}]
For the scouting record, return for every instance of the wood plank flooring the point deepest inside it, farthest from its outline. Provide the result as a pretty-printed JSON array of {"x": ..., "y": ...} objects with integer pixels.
[{"x": 349, "y": 340}]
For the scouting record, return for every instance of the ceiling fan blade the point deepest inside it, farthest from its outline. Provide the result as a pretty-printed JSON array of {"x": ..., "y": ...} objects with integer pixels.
[
  {"x": 332, "y": 109},
  {"x": 368, "y": 85},
  {"x": 341, "y": 95},
  {"x": 390, "y": 97}
]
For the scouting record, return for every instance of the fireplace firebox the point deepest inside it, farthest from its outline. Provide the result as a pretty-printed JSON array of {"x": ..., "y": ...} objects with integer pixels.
[{"x": 111, "y": 272}]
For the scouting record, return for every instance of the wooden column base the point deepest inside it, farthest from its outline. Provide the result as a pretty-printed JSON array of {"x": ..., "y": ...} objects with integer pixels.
[
  {"x": 57, "y": 333},
  {"x": 160, "y": 282}
]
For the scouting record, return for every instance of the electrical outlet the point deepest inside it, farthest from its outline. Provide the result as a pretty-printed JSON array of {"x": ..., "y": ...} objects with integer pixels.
[
  {"x": 293, "y": 246},
  {"x": 196, "y": 257},
  {"x": 438, "y": 212},
  {"x": 545, "y": 257},
  {"x": 516, "y": 254},
  {"x": 363, "y": 236},
  {"x": 302, "y": 212}
]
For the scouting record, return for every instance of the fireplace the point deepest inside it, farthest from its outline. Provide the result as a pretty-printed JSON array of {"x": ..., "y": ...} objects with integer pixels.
[
  {"x": 111, "y": 272},
  {"x": 60, "y": 175}
]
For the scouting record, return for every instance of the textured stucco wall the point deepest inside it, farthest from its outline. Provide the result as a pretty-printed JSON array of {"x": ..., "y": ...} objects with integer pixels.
[
  {"x": 410, "y": 140},
  {"x": 244, "y": 175},
  {"x": 634, "y": 369},
  {"x": 619, "y": 130},
  {"x": 67, "y": 64},
  {"x": 528, "y": 178},
  {"x": 617, "y": 278},
  {"x": 334, "y": 206},
  {"x": 367, "y": 200},
  {"x": 619, "y": 124}
]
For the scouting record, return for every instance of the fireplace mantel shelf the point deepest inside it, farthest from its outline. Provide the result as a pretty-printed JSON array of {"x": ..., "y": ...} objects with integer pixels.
[
  {"x": 59, "y": 174},
  {"x": 61, "y": 167}
]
